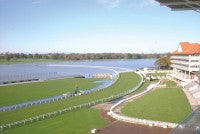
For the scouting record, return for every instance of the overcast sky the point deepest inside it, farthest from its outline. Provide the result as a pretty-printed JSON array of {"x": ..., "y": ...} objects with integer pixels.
[{"x": 86, "y": 26}]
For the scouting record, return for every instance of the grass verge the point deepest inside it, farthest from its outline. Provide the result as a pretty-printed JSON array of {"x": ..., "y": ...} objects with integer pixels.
[
  {"x": 76, "y": 122},
  {"x": 125, "y": 82},
  {"x": 14, "y": 94},
  {"x": 159, "y": 74},
  {"x": 167, "y": 104},
  {"x": 170, "y": 83}
]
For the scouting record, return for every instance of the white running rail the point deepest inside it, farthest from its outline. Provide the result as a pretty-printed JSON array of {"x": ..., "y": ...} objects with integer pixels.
[{"x": 136, "y": 120}]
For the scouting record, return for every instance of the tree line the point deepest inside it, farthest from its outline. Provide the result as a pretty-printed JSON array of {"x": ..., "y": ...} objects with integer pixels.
[
  {"x": 163, "y": 62},
  {"x": 78, "y": 56}
]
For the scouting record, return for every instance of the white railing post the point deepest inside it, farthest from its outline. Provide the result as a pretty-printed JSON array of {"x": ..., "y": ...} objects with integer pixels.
[
  {"x": 74, "y": 107},
  {"x": 1, "y": 128}
]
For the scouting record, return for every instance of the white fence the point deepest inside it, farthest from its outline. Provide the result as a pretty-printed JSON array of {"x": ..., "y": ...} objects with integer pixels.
[
  {"x": 136, "y": 120},
  {"x": 51, "y": 99},
  {"x": 9, "y": 79},
  {"x": 35, "y": 102},
  {"x": 62, "y": 111}
]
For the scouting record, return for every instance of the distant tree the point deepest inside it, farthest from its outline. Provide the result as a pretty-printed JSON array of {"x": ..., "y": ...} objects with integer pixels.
[
  {"x": 138, "y": 56},
  {"x": 36, "y": 56},
  {"x": 7, "y": 57},
  {"x": 22, "y": 55},
  {"x": 45, "y": 56},
  {"x": 1, "y": 56},
  {"x": 29, "y": 56},
  {"x": 16, "y": 56},
  {"x": 77, "y": 56},
  {"x": 163, "y": 62},
  {"x": 54, "y": 56},
  {"x": 127, "y": 56}
]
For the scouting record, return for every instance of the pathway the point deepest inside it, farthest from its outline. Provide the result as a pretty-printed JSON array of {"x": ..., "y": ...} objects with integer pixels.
[{"x": 120, "y": 127}]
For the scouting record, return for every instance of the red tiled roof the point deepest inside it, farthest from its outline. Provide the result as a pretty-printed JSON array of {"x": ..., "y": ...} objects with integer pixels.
[{"x": 188, "y": 48}]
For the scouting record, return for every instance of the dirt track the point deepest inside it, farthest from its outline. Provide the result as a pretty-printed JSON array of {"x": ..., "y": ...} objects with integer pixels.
[{"x": 119, "y": 127}]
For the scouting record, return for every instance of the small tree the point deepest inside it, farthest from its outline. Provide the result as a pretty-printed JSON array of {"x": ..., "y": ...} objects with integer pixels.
[
  {"x": 163, "y": 62},
  {"x": 7, "y": 57}
]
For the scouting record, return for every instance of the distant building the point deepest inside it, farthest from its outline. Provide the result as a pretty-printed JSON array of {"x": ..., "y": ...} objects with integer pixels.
[{"x": 186, "y": 61}]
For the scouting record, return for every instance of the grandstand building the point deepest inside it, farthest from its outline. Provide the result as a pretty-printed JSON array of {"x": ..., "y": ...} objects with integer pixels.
[
  {"x": 185, "y": 62},
  {"x": 177, "y": 5}
]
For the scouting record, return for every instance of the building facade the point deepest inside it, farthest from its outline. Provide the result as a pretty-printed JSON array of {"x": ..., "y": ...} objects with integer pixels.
[{"x": 185, "y": 62}]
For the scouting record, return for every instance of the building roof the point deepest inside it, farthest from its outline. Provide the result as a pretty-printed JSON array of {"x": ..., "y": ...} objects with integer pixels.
[
  {"x": 187, "y": 48},
  {"x": 181, "y": 4}
]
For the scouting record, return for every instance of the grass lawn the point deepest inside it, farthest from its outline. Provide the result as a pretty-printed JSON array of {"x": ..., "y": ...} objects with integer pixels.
[
  {"x": 13, "y": 94},
  {"x": 158, "y": 74},
  {"x": 144, "y": 86},
  {"x": 167, "y": 104},
  {"x": 76, "y": 122},
  {"x": 125, "y": 82},
  {"x": 170, "y": 83}
]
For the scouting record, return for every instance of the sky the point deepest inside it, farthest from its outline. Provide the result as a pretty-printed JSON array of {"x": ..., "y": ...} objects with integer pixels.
[{"x": 94, "y": 26}]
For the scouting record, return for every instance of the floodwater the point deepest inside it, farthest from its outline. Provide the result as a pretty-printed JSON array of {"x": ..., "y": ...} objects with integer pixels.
[{"x": 51, "y": 70}]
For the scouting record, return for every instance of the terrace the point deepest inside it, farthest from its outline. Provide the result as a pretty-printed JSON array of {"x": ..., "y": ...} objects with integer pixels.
[{"x": 181, "y": 4}]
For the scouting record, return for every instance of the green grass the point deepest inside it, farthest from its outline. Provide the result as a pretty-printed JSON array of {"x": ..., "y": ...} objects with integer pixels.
[
  {"x": 170, "y": 83},
  {"x": 125, "y": 82},
  {"x": 167, "y": 104},
  {"x": 76, "y": 122},
  {"x": 158, "y": 74},
  {"x": 13, "y": 94},
  {"x": 144, "y": 86}
]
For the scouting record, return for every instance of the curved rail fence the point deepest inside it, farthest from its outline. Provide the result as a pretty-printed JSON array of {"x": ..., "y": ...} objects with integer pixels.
[
  {"x": 13, "y": 79},
  {"x": 54, "y": 98},
  {"x": 68, "y": 109},
  {"x": 136, "y": 120},
  {"x": 60, "y": 97}
]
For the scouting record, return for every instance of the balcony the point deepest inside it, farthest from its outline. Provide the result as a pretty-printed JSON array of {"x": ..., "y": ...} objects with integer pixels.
[
  {"x": 196, "y": 57},
  {"x": 181, "y": 76},
  {"x": 180, "y": 67},
  {"x": 192, "y": 68},
  {"x": 194, "y": 63},
  {"x": 180, "y": 62},
  {"x": 180, "y": 57},
  {"x": 195, "y": 69}
]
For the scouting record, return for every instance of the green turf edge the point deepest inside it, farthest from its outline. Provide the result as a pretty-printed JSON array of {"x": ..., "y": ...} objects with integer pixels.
[
  {"x": 159, "y": 74},
  {"x": 76, "y": 122},
  {"x": 19, "y": 93},
  {"x": 167, "y": 104},
  {"x": 125, "y": 82}
]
